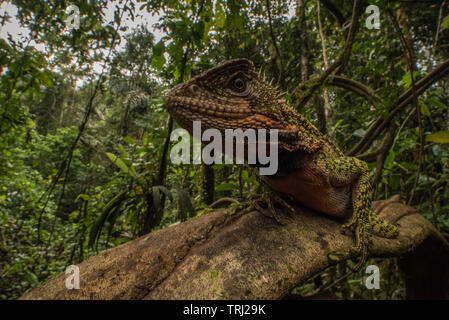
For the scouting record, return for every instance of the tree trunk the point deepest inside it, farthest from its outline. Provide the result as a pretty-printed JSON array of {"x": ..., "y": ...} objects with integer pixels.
[{"x": 207, "y": 183}]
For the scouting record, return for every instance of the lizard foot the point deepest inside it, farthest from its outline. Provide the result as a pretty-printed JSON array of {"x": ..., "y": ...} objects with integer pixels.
[{"x": 267, "y": 203}]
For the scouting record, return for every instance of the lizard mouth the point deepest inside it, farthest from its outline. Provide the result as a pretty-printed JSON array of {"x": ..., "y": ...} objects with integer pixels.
[{"x": 185, "y": 106}]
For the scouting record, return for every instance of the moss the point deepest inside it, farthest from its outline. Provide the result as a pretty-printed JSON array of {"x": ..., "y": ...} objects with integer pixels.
[
  {"x": 223, "y": 295},
  {"x": 213, "y": 274},
  {"x": 291, "y": 269},
  {"x": 307, "y": 89}
]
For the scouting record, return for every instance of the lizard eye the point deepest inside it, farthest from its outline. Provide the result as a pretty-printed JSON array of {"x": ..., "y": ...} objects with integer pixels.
[{"x": 238, "y": 85}]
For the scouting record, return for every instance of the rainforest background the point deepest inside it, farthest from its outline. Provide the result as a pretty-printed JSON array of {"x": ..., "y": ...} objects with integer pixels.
[{"x": 84, "y": 148}]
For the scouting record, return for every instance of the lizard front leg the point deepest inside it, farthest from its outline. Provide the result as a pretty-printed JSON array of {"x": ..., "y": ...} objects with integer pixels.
[
  {"x": 344, "y": 171},
  {"x": 265, "y": 200}
]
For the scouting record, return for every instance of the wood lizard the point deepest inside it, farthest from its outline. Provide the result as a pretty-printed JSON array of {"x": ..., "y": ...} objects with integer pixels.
[{"x": 312, "y": 170}]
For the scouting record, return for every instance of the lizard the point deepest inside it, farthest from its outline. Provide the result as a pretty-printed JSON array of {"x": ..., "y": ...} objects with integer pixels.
[{"x": 312, "y": 170}]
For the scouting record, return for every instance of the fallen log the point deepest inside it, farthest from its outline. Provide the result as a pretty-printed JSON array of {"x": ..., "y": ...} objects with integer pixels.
[{"x": 250, "y": 256}]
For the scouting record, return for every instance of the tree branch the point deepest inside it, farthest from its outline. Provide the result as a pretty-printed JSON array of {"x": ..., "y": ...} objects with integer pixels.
[
  {"x": 240, "y": 256},
  {"x": 381, "y": 123},
  {"x": 356, "y": 87}
]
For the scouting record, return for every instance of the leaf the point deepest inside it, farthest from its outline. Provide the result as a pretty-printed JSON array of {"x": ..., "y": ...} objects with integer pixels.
[
  {"x": 31, "y": 278},
  {"x": 425, "y": 109},
  {"x": 109, "y": 208},
  {"x": 198, "y": 32},
  {"x": 118, "y": 162},
  {"x": 45, "y": 79},
  {"x": 112, "y": 218},
  {"x": 445, "y": 24},
  {"x": 390, "y": 158},
  {"x": 410, "y": 166},
  {"x": 245, "y": 175},
  {"x": 406, "y": 81},
  {"x": 85, "y": 197},
  {"x": 145, "y": 139},
  {"x": 438, "y": 137},
  {"x": 437, "y": 103},
  {"x": 29, "y": 123},
  {"x": 226, "y": 186},
  {"x": 177, "y": 73},
  {"x": 123, "y": 152},
  {"x": 128, "y": 140},
  {"x": 138, "y": 190},
  {"x": 394, "y": 181},
  {"x": 158, "y": 62},
  {"x": 220, "y": 17},
  {"x": 158, "y": 59}
]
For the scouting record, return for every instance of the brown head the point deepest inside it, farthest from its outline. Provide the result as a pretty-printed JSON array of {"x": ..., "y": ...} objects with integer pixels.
[{"x": 233, "y": 96}]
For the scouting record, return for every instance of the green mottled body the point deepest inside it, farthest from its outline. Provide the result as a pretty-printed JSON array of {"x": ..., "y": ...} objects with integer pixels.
[{"x": 312, "y": 170}]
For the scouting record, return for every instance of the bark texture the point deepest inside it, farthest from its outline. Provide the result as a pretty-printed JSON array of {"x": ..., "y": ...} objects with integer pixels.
[{"x": 250, "y": 256}]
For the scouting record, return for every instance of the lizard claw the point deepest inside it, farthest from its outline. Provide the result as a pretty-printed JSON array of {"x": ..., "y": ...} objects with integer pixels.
[{"x": 266, "y": 202}]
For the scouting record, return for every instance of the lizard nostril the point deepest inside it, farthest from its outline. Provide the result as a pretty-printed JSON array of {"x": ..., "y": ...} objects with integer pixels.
[{"x": 194, "y": 89}]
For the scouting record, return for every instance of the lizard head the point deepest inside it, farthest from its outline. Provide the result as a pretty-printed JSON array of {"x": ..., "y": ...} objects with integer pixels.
[
  {"x": 234, "y": 96},
  {"x": 230, "y": 96}
]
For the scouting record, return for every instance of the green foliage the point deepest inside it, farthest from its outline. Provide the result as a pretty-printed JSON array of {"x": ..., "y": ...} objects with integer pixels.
[{"x": 445, "y": 24}]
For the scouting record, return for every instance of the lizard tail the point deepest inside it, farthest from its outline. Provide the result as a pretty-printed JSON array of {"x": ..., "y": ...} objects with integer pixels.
[{"x": 382, "y": 228}]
